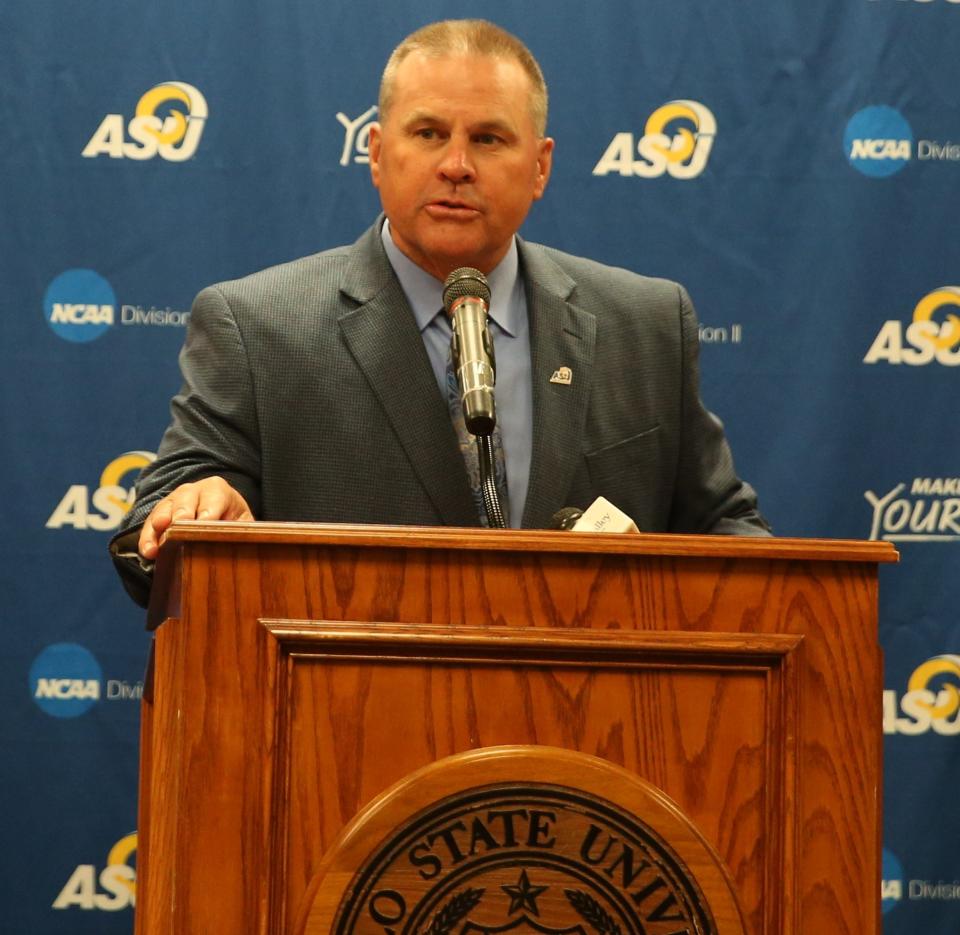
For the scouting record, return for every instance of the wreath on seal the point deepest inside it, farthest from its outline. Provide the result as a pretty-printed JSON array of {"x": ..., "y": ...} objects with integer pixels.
[{"x": 460, "y": 905}]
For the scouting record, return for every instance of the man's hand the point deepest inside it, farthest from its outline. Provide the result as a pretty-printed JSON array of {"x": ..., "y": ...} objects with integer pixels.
[{"x": 210, "y": 498}]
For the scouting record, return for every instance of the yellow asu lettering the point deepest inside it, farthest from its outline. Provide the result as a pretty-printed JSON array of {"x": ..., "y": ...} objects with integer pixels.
[
  {"x": 920, "y": 708},
  {"x": 682, "y": 152},
  {"x": 112, "y": 889},
  {"x": 924, "y": 340},
  {"x": 102, "y": 511},
  {"x": 105, "y": 507},
  {"x": 174, "y": 137}
]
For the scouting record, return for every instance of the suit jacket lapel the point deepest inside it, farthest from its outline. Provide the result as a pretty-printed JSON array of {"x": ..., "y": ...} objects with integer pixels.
[
  {"x": 383, "y": 337},
  {"x": 561, "y": 335}
]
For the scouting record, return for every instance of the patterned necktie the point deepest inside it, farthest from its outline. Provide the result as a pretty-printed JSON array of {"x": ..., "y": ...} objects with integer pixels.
[{"x": 468, "y": 448}]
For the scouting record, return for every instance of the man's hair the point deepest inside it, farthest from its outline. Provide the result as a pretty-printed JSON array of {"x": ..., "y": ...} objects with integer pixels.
[{"x": 468, "y": 37}]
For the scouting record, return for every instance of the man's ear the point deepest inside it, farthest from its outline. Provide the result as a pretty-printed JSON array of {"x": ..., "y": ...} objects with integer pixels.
[
  {"x": 375, "y": 141},
  {"x": 544, "y": 165}
]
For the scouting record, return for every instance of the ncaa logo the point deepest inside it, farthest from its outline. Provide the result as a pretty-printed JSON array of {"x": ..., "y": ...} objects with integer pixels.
[
  {"x": 79, "y": 305},
  {"x": 891, "y": 886},
  {"x": 65, "y": 680},
  {"x": 878, "y": 141}
]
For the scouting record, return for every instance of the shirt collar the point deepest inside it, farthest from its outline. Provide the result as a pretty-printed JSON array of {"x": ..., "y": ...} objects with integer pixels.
[{"x": 425, "y": 293}]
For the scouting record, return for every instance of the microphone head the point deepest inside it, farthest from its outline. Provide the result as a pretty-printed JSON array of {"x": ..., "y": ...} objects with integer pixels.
[
  {"x": 565, "y": 518},
  {"x": 465, "y": 281}
]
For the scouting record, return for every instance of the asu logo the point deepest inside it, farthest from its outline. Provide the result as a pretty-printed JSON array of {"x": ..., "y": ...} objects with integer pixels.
[
  {"x": 112, "y": 889},
  {"x": 168, "y": 122},
  {"x": 677, "y": 140},
  {"x": 933, "y": 335},
  {"x": 931, "y": 702},
  {"x": 109, "y": 503}
]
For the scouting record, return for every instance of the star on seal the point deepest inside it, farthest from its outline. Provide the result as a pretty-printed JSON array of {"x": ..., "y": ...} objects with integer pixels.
[{"x": 523, "y": 895}]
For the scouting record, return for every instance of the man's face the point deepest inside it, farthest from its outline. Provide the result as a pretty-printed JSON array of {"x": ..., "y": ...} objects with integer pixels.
[{"x": 457, "y": 160}]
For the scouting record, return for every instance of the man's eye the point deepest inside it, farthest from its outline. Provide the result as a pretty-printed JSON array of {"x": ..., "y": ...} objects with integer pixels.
[
  {"x": 426, "y": 133},
  {"x": 487, "y": 139}
]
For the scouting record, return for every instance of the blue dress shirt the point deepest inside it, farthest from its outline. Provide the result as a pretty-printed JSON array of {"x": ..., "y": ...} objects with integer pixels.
[{"x": 510, "y": 330}]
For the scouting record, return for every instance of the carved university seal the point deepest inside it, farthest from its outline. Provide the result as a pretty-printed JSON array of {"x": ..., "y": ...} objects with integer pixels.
[{"x": 523, "y": 857}]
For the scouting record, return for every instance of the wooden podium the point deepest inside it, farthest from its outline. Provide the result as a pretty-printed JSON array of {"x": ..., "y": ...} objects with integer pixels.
[{"x": 300, "y": 671}]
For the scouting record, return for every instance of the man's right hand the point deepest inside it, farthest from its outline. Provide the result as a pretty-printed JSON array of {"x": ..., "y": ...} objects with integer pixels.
[{"x": 210, "y": 498}]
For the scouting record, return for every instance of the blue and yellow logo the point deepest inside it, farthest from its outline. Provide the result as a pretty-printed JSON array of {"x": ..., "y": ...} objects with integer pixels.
[
  {"x": 938, "y": 672},
  {"x": 172, "y": 129},
  {"x": 930, "y": 703},
  {"x": 168, "y": 122},
  {"x": 940, "y": 300},
  {"x": 692, "y": 127},
  {"x": 112, "y": 889},
  {"x": 932, "y": 335},
  {"x": 676, "y": 140},
  {"x": 103, "y": 508}
]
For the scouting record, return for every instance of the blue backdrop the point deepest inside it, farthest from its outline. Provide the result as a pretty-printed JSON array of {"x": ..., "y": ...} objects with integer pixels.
[{"x": 803, "y": 184}]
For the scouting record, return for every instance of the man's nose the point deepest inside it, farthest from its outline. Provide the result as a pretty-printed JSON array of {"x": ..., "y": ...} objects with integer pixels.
[{"x": 456, "y": 164}]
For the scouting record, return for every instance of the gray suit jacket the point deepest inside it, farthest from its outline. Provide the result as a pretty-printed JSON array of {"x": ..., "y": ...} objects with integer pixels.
[{"x": 307, "y": 386}]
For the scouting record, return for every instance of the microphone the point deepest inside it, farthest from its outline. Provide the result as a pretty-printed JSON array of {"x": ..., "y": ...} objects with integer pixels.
[
  {"x": 565, "y": 518},
  {"x": 466, "y": 298}
]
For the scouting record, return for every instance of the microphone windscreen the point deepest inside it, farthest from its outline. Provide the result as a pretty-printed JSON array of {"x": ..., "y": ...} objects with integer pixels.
[
  {"x": 565, "y": 518},
  {"x": 465, "y": 281}
]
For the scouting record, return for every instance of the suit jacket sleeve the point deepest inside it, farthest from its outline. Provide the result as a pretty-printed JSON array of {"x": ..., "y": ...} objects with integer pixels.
[
  {"x": 647, "y": 442},
  {"x": 710, "y": 497},
  {"x": 213, "y": 431}
]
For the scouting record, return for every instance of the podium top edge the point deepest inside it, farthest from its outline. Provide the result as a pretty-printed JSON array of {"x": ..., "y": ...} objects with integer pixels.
[{"x": 532, "y": 540}]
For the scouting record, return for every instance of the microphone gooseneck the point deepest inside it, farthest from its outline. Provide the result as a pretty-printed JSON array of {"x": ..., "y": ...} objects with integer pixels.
[
  {"x": 488, "y": 483},
  {"x": 466, "y": 299}
]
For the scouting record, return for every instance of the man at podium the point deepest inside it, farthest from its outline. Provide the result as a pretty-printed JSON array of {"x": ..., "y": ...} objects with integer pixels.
[{"x": 320, "y": 390}]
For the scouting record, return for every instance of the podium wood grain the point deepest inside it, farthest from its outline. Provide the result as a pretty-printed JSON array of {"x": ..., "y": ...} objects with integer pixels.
[{"x": 302, "y": 670}]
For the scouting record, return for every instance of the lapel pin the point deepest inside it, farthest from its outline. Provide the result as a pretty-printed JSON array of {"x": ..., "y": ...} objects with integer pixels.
[{"x": 562, "y": 375}]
